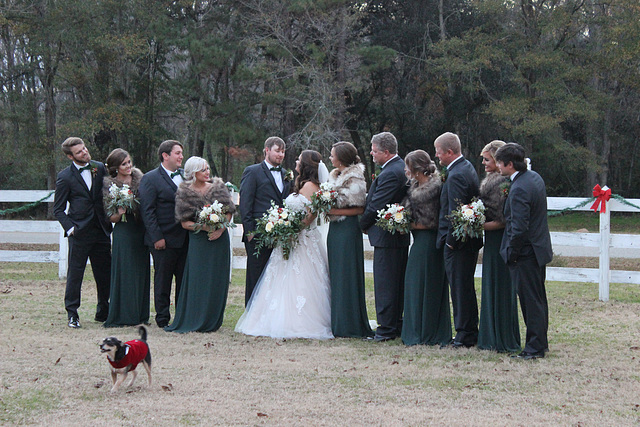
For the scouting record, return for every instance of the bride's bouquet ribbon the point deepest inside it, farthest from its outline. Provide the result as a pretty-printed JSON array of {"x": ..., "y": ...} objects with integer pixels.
[{"x": 602, "y": 197}]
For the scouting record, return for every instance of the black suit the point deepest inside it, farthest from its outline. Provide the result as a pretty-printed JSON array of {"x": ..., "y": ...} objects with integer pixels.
[
  {"x": 90, "y": 237},
  {"x": 460, "y": 258},
  {"x": 258, "y": 189},
  {"x": 158, "y": 209},
  {"x": 526, "y": 248},
  {"x": 390, "y": 251}
]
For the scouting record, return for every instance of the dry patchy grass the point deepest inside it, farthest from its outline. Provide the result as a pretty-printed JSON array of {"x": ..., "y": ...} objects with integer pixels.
[{"x": 52, "y": 375}]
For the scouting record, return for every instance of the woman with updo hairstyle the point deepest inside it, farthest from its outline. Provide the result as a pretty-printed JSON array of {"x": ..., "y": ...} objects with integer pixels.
[
  {"x": 344, "y": 244},
  {"x": 130, "y": 267},
  {"x": 499, "y": 329},
  {"x": 292, "y": 297},
  {"x": 205, "y": 283},
  {"x": 427, "y": 319}
]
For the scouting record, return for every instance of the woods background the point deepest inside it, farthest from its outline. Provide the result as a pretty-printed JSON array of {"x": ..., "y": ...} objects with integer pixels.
[{"x": 560, "y": 77}]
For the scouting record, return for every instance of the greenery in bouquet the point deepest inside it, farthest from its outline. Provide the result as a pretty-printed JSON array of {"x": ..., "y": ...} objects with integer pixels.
[
  {"x": 279, "y": 226},
  {"x": 214, "y": 216},
  {"x": 468, "y": 220},
  {"x": 120, "y": 198},
  {"x": 323, "y": 200},
  {"x": 394, "y": 218}
]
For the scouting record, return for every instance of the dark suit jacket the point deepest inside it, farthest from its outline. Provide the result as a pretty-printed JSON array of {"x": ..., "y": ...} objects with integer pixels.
[
  {"x": 257, "y": 190},
  {"x": 158, "y": 209},
  {"x": 389, "y": 187},
  {"x": 525, "y": 212},
  {"x": 84, "y": 204},
  {"x": 461, "y": 185}
]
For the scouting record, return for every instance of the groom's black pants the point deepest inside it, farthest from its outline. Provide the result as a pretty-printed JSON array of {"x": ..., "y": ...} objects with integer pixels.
[{"x": 255, "y": 267}]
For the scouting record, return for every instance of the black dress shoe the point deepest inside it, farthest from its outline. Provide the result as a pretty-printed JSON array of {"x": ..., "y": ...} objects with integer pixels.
[
  {"x": 456, "y": 344},
  {"x": 525, "y": 355},
  {"x": 379, "y": 338},
  {"x": 74, "y": 323},
  {"x": 100, "y": 319}
]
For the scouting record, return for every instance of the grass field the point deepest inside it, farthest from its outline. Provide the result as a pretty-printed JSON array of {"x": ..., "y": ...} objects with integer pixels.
[{"x": 52, "y": 375}]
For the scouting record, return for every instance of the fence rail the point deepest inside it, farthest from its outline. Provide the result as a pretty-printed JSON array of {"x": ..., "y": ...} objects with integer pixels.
[{"x": 629, "y": 243}]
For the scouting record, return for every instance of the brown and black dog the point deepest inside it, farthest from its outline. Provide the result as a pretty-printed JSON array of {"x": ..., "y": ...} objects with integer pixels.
[{"x": 124, "y": 358}]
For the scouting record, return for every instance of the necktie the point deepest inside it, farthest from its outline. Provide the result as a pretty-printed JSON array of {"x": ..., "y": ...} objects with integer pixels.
[
  {"x": 276, "y": 168},
  {"x": 175, "y": 173}
]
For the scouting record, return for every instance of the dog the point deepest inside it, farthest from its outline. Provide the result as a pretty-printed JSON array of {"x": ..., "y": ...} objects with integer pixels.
[{"x": 124, "y": 358}]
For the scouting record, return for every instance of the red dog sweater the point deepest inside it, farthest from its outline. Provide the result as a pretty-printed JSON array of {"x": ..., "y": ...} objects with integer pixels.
[{"x": 135, "y": 352}]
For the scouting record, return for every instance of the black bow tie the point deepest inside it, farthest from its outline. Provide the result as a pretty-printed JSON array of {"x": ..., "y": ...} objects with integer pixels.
[
  {"x": 175, "y": 173},
  {"x": 276, "y": 168},
  {"x": 85, "y": 168}
]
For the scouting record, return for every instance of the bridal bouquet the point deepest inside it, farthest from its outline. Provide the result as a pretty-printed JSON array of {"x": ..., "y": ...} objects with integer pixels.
[
  {"x": 468, "y": 220},
  {"x": 120, "y": 198},
  {"x": 394, "y": 218},
  {"x": 214, "y": 216},
  {"x": 279, "y": 227},
  {"x": 323, "y": 200}
]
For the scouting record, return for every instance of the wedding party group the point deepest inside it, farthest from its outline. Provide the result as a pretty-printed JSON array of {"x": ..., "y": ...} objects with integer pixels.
[{"x": 303, "y": 235}]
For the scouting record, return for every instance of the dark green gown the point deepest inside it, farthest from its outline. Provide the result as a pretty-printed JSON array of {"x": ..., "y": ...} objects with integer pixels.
[
  {"x": 499, "y": 329},
  {"x": 130, "y": 275},
  {"x": 427, "y": 318},
  {"x": 205, "y": 285},
  {"x": 346, "y": 271}
]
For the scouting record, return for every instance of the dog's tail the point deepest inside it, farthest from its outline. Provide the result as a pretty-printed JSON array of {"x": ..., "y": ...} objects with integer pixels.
[{"x": 143, "y": 333}]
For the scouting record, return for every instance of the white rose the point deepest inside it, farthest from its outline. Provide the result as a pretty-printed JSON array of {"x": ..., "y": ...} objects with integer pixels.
[
  {"x": 280, "y": 221},
  {"x": 398, "y": 216},
  {"x": 284, "y": 215},
  {"x": 214, "y": 218},
  {"x": 468, "y": 213},
  {"x": 269, "y": 227}
]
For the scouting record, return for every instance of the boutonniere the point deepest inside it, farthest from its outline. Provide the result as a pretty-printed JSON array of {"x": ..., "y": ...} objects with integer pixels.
[
  {"x": 288, "y": 175},
  {"x": 444, "y": 172},
  {"x": 375, "y": 174},
  {"x": 231, "y": 187},
  {"x": 504, "y": 188},
  {"x": 94, "y": 169}
]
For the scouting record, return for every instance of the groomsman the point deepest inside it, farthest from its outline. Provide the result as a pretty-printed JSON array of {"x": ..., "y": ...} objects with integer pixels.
[
  {"x": 526, "y": 245},
  {"x": 460, "y": 258},
  {"x": 86, "y": 227},
  {"x": 164, "y": 235},
  {"x": 390, "y": 251},
  {"x": 261, "y": 184}
]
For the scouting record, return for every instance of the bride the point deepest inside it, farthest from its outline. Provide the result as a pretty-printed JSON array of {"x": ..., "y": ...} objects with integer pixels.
[{"x": 292, "y": 297}]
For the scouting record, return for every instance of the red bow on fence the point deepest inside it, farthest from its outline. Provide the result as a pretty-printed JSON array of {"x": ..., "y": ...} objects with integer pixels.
[{"x": 602, "y": 197}]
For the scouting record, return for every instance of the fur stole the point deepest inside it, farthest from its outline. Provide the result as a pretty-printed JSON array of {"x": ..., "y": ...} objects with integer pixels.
[
  {"x": 351, "y": 188},
  {"x": 423, "y": 202},
  {"x": 492, "y": 196},
  {"x": 189, "y": 202},
  {"x": 136, "y": 176}
]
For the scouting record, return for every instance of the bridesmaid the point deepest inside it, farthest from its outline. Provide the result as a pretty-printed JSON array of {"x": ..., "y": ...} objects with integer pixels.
[
  {"x": 130, "y": 265},
  {"x": 427, "y": 319},
  {"x": 499, "y": 329},
  {"x": 344, "y": 245},
  {"x": 205, "y": 284}
]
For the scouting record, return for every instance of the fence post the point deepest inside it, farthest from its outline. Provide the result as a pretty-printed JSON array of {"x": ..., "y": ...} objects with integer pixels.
[
  {"x": 63, "y": 254},
  {"x": 602, "y": 195}
]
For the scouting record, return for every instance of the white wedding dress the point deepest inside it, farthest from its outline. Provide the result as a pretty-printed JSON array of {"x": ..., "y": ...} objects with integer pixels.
[{"x": 292, "y": 297}]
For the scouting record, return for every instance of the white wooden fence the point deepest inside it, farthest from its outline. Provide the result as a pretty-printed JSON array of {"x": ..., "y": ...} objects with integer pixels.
[{"x": 31, "y": 232}]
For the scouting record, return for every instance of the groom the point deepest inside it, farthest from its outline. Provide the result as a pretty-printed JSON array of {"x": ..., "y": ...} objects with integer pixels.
[
  {"x": 260, "y": 185},
  {"x": 390, "y": 251}
]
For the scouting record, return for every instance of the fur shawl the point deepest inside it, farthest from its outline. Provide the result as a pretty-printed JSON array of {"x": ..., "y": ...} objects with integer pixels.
[
  {"x": 189, "y": 202},
  {"x": 351, "y": 188},
  {"x": 136, "y": 176},
  {"x": 423, "y": 202},
  {"x": 492, "y": 197}
]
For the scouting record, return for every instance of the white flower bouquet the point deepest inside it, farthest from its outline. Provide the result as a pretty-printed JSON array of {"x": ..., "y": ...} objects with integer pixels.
[
  {"x": 468, "y": 220},
  {"x": 120, "y": 198},
  {"x": 279, "y": 226},
  {"x": 394, "y": 218},
  {"x": 214, "y": 217},
  {"x": 323, "y": 200}
]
